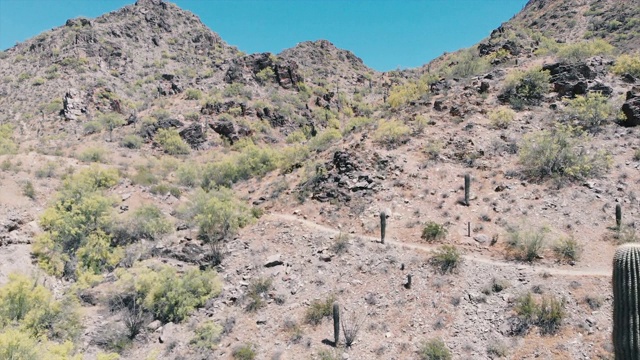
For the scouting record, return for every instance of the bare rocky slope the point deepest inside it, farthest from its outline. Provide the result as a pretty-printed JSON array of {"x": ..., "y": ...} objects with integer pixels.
[{"x": 179, "y": 199}]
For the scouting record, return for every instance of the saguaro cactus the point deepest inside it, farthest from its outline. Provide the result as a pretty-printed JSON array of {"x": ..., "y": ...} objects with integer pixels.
[
  {"x": 626, "y": 302},
  {"x": 467, "y": 187},
  {"x": 383, "y": 225},
  {"x": 618, "y": 215},
  {"x": 336, "y": 323}
]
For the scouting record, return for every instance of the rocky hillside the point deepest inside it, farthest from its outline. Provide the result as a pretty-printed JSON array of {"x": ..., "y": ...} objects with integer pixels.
[{"x": 165, "y": 196}]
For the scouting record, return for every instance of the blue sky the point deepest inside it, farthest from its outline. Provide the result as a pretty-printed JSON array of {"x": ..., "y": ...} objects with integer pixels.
[{"x": 386, "y": 34}]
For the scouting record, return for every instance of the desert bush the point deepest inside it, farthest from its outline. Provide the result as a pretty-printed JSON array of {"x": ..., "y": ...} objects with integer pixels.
[
  {"x": 79, "y": 210},
  {"x": 207, "y": 336},
  {"x": 265, "y": 75},
  {"x": 237, "y": 89},
  {"x": 91, "y": 127},
  {"x": 497, "y": 349},
  {"x": 636, "y": 155},
  {"x": 577, "y": 51},
  {"x": 96, "y": 255},
  {"x": 16, "y": 345},
  {"x": 149, "y": 222},
  {"x": 295, "y": 137},
  {"x": 562, "y": 152},
  {"x": 318, "y": 310},
  {"x": 93, "y": 154},
  {"x": 467, "y": 63},
  {"x": 402, "y": 94},
  {"x": 188, "y": 174},
  {"x": 340, "y": 244},
  {"x": 567, "y": 249},
  {"x": 501, "y": 118},
  {"x": 131, "y": 141},
  {"x": 434, "y": 349},
  {"x": 110, "y": 121},
  {"x": 447, "y": 259},
  {"x": 627, "y": 64},
  {"x": 591, "y": 110},
  {"x": 192, "y": 116},
  {"x": 250, "y": 161},
  {"x": 324, "y": 140},
  {"x": 546, "y": 314},
  {"x": 171, "y": 142},
  {"x": 48, "y": 170},
  {"x": 392, "y": 132},
  {"x": 144, "y": 176},
  {"x": 357, "y": 124},
  {"x": 167, "y": 294},
  {"x": 28, "y": 190},
  {"x": 257, "y": 292},
  {"x": 217, "y": 213},
  {"x": 526, "y": 245},
  {"x": 525, "y": 87},
  {"x": 7, "y": 145},
  {"x": 193, "y": 94},
  {"x": 244, "y": 352},
  {"x": 433, "y": 231}
]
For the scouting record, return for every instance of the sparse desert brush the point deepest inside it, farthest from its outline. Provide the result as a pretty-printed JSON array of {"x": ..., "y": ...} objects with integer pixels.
[
  {"x": 434, "y": 349},
  {"x": 248, "y": 161},
  {"x": 357, "y": 124},
  {"x": 627, "y": 64},
  {"x": 447, "y": 259},
  {"x": 244, "y": 352},
  {"x": 547, "y": 314},
  {"x": 131, "y": 141},
  {"x": 501, "y": 117},
  {"x": 526, "y": 245},
  {"x": 562, "y": 153},
  {"x": 207, "y": 335},
  {"x": 433, "y": 231},
  {"x": 7, "y": 145},
  {"x": 324, "y": 140},
  {"x": 392, "y": 132},
  {"x": 92, "y": 127},
  {"x": 319, "y": 310},
  {"x": 193, "y": 94},
  {"x": 591, "y": 110},
  {"x": 93, "y": 154},
  {"x": 567, "y": 249},
  {"x": 574, "y": 52},
  {"x": 525, "y": 87},
  {"x": 171, "y": 142}
]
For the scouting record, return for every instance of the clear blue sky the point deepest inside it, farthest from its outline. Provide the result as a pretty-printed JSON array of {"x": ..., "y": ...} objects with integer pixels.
[{"x": 386, "y": 34}]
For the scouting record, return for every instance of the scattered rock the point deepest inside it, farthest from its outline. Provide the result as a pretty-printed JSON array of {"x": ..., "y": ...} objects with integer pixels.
[{"x": 273, "y": 260}]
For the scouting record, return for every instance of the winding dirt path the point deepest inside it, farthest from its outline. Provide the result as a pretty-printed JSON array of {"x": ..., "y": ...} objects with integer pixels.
[{"x": 604, "y": 272}]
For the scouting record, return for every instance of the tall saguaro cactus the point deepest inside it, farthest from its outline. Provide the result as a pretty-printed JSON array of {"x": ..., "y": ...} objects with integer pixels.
[
  {"x": 467, "y": 187},
  {"x": 383, "y": 225},
  {"x": 626, "y": 302},
  {"x": 336, "y": 323},
  {"x": 618, "y": 216}
]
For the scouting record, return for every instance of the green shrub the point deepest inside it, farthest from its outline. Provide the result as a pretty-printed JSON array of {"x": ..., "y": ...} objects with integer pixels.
[
  {"x": 188, "y": 174},
  {"x": 80, "y": 209},
  {"x": 250, "y": 161},
  {"x": 131, "y": 141},
  {"x": 546, "y": 314},
  {"x": 402, "y": 94},
  {"x": 433, "y": 231},
  {"x": 561, "y": 152},
  {"x": 170, "y": 296},
  {"x": 574, "y": 52},
  {"x": 257, "y": 292},
  {"x": 47, "y": 171},
  {"x": 144, "y": 176},
  {"x": 208, "y": 335},
  {"x": 193, "y": 94},
  {"x": 94, "y": 154},
  {"x": 447, "y": 258},
  {"x": 28, "y": 190},
  {"x": 357, "y": 124},
  {"x": 91, "y": 127},
  {"x": 567, "y": 249},
  {"x": 171, "y": 142},
  {"x": 324, "y": 140},
  {"x": 16, "y": 345},
  {"x": 111, "y": 121},
  {"x": 392, "y": 132},
  {"x": 467, "y": 63},
  {"x": 591, "y": 111},
  {"x": 7, "y": 146},
  {"x": 501, "y": 118},
  {"x": 434, "y": 349},
  {"x": 265, "y": 75},
  {"x": 318, "y": 310},
  {"x": 149, "y": 222},
  {"x": 217, "y": 213},
  {"x": 526, "y": 245},
  {"x": 525, "y": 87},
  {"x": 627, "y": 64},
  {"x": 297, "y": 136},
  {"x": 244, "y": 352}
]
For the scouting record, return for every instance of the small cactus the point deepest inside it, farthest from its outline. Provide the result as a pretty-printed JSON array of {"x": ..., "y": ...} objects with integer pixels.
[
  {"x": 336, "y": 323},
  {"x": 467, "y": 186},
  {"x": 383, "y": 225},
  {"x": 408, "y": 284},
  {"x": 618, "y": 215},
  {"x": 626, "y": 302}
]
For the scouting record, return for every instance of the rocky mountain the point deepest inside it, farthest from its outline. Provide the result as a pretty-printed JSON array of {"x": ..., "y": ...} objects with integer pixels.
[{"x": 165, "y": 196}]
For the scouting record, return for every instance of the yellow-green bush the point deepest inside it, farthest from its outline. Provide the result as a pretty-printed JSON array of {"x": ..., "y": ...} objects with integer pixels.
[
  {"x": 79, "y": 210},
  {"x": 392, "y": 132},
  {"x": 324, "y": 140},
  {"x": 249, "y": 161},
  {"x": 171, "y": 142},
  {"x": 149, "y": 222},
  {"x": 217, "y": 213},
  {"x": 627, "y": 64},
  {"x": 573, "y": 52},
  {"x": 170, "y": 296},
  {"x": 525, "y": 87},
  {"x": 193, "y": 94},
  {"x": 357, "y": 124},
  {"x": 562, "y": 152},
  {"x": 111, "y": 121},
  {"x": 591, "y": 110},
  {"x": 7, "y": 146},
  {"x": 93, "y": 154},
  {"x": 207, "y": 336},
  {"x": 131, "y": 141},
  {"x": 501, "y": 117}
]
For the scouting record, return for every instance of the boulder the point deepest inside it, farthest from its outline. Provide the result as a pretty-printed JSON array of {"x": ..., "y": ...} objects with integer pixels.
[
  {"x": 194, "y": 135},
  {"x": 150, "y": 129},
  {"x": 571, "y": 79},
  {"x": 631, "y": 108},
  {"x": 73, "y": 106},
  {"x": 245, "y": 68},
  {"x": 230, "y": 131}
]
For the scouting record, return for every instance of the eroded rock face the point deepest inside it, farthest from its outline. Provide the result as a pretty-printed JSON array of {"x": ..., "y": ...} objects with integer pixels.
[
  {"x": 244, "y": 69},
  {"x": 150, "y": 129},
  {"x": 194, "y": 135},
  {"x": 631, "y": 108},
  {"x": 73, "y": 106},
  {"x": 230, "y": 131},
  {"x": 571, "y": 79}
]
